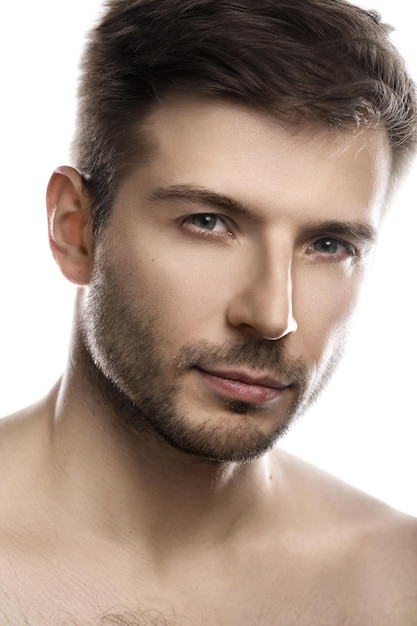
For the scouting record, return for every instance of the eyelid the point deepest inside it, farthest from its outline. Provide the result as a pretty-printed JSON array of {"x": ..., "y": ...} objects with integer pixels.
[
  {"x": 354, "y": 246},
  {"x": 343, "y": 242},
  {"x": 218, "y": 216}
]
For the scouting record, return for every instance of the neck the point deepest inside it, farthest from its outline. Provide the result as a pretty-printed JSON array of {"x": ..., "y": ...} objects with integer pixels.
[{"x": 133, "y": 482}]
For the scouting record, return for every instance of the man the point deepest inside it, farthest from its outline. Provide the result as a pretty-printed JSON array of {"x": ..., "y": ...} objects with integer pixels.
[{"x": 233, "y": 161}]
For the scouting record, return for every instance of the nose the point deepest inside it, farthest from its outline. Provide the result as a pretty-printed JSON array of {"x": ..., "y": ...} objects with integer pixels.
[{"x": 262, "y": 300}]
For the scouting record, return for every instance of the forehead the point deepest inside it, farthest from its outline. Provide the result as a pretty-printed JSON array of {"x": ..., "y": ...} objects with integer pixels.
[{"x": 250, "y": 156}]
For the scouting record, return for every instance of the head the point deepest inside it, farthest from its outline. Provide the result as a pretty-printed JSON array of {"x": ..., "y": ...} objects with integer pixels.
[
  {"x": 235, "y": 156},
  {"x": 326, "y": 62}
]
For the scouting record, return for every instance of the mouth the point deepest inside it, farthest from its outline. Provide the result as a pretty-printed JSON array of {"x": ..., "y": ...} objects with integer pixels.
[{"x": 244, "y": 386}]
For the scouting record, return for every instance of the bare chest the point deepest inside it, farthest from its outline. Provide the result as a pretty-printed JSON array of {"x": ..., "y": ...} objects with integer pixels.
[{"x": 239, "y": 596}]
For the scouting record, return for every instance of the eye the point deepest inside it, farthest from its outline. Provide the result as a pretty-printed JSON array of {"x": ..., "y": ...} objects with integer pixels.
[
  {"x": 206, "y": 223},
  {"x": 335, "y": 249}
]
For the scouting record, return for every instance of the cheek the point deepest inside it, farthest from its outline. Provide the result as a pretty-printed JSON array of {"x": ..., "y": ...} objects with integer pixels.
[
  {"x": 323, "y": 306},
  {"x": 186, "y": 292}
]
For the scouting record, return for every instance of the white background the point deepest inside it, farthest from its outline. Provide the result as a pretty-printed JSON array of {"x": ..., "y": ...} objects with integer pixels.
[{"x": 363, "y": 429}]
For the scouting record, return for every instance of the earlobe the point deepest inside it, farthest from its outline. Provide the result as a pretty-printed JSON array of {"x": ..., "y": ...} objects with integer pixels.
[{"x": 69, "y": 225}]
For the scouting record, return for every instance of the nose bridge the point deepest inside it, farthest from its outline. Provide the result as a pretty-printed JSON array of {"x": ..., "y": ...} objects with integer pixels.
[{"x": 265, "y": 302}]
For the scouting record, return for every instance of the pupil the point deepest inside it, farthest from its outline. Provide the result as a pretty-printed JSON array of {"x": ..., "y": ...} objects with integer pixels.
[
  {"x": 328, "y": 245},
  {"x": 207, "y": 220}
]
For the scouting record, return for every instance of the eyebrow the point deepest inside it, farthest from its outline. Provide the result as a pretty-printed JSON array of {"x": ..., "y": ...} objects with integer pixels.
[
  {"x": 360, "y": 231},
  {"x": 204, "y": 197}
]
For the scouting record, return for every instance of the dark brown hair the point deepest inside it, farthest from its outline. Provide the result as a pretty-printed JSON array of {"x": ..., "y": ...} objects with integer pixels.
[{"x": 323, "y": 61}]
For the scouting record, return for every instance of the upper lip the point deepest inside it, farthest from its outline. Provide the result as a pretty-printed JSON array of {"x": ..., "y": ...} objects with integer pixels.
[{"x": 250, "y": 378}]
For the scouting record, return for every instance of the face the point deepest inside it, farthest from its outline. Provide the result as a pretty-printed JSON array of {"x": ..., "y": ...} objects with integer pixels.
[{"x": 226, "y": 275}]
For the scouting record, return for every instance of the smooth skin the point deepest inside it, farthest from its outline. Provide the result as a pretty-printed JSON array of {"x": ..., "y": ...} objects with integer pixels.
[{"x": 237, "y": 231}]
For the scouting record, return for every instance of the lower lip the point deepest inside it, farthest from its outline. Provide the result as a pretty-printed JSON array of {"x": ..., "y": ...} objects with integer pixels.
[{"x": 243, "y": 392}]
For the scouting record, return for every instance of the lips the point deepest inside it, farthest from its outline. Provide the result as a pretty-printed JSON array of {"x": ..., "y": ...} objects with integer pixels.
[{"x": 244, "y": 386}]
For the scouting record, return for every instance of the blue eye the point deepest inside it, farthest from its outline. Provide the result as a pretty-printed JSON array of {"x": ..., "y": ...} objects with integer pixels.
[
  {"x": 208, "y": 221},
  {"x": 332, "y": 249},
  {"x": 207, "y": 224},
  {"x": 327, "y": 245}
]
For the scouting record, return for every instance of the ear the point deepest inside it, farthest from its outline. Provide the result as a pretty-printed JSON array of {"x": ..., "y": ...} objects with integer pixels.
[{"x": 69, "y": 225}]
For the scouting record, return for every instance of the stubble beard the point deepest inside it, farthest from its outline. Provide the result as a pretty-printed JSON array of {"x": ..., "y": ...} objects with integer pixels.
[{"x": 123, "y": 360}]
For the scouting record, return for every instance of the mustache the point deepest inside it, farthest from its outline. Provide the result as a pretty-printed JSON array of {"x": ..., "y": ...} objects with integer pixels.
[{"x": 259, "y": 355}]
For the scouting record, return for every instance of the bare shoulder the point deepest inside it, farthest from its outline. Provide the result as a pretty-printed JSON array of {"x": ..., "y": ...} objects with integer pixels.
[
  {"x": 18, "y": 451},
  {"x": 372, "y": 547},
  {"x": 383, "y": 571},
  {"x": 22, "y": 433}
]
